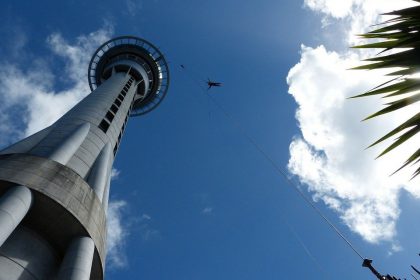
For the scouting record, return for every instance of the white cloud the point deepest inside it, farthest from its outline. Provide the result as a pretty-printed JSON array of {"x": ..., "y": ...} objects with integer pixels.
[
  {"x": 116, "y": 234},
  {"x": 207, "y": 210},
  {"x": 147, "y": 233},
  {"x": 133, "y": 7},
  {"x": 329, "y": 157},
  {"x": 115, "y": 173},
  {"x": 146, "y": 230},
  {"x": 29, "y": 91},
  {"x": 357, "y": 15},
  {"x": 118, "y": 231},
  {"x": 337, "y": 9},
  {"x": 346, "y": 8},
  {"x": 145, "y": 217}
]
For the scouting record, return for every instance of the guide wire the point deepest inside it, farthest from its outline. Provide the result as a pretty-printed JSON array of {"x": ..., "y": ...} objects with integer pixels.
[
  {"x": 288, "y": 180},
  {"x": 235, "y": 123},
  {"x": 282, "y": 217}
]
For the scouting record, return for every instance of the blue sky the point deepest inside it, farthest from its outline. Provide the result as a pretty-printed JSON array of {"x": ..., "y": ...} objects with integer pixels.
[{"x": 193, "y": 198}]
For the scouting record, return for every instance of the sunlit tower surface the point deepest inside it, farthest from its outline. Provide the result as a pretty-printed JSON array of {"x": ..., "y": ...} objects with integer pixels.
[{"x": 54, "y": 184}]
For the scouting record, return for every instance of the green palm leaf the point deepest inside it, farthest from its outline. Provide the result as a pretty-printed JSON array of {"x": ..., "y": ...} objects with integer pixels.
[{"x": 402, "y": 33}]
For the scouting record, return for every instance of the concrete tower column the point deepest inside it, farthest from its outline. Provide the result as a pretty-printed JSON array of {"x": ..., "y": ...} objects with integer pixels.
[
  {"x": 99, "y": 174},
  {"x": 14, "y": 205},
  {"x": 77, "y": 263},
  {"x": 105, "y": 198},
  {"x": 66, "y": 150}
]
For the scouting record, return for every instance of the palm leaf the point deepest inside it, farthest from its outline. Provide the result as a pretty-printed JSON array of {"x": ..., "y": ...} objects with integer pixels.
[
  {"x": 395, "y": 105},
  {"x": 413, "y": 158},
  {"x": 407, "y": 135},
  {"x": 405, "y": 72},
  {"x": 414, "y": 121},
  {"x": 400, "y": 32},
  {"x": 406, "y": 85}
]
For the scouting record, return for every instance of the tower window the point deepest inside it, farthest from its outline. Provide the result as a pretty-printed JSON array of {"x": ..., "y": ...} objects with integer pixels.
[
  {"x": 109, "y": 116},
  {"x": 114, "y": 109},
  {"x": 104, "y": 125}
]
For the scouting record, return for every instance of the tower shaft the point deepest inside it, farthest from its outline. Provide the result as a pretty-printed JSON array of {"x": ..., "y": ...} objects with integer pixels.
[
  {"x": 83, "y": 143},
  {"x": 54, "y": 185}
]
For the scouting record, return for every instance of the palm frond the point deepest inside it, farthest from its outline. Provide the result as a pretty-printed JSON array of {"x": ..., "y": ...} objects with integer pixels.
[{"x": 399, "y": 33}]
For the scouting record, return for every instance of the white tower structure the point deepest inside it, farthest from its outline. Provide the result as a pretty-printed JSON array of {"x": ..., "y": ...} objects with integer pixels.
[{"x": 54, "y": 184}]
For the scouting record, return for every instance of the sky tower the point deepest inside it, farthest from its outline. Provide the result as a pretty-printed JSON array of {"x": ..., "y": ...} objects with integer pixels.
[{"x": 54, "y": 184}]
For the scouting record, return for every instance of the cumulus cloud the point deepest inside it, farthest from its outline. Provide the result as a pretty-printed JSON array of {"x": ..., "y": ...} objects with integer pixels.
[
  {"x": 355, "y": 15},
  {"x": 337, "y": 9},
  {"x": 116, "y": 234},
  {"x": 30, "y": 99},
  {"x": 329, "y": 156},
  {"x": 115, "y": 173},
  {"x": 356, "y": 8}
]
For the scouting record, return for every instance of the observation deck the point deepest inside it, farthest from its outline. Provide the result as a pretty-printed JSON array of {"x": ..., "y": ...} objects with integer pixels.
[{"x": 142, "y": 60}]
